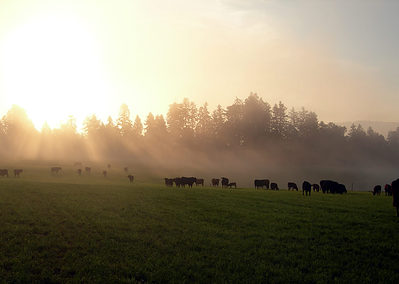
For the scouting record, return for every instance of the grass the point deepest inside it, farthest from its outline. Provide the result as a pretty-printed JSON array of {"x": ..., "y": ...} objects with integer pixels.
[{"x": 91, "y": 229}]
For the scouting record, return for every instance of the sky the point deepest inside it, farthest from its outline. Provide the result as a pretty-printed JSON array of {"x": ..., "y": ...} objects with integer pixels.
[{"x": 61, "y": 58}]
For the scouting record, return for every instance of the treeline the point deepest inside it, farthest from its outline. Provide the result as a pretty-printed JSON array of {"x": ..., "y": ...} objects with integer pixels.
[{"x": 251, "y": 128}]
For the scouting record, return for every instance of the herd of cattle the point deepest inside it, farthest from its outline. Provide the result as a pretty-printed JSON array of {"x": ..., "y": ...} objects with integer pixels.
[
  {"x": 190, "y": 181},
  {"x": 4, "y": 172}
]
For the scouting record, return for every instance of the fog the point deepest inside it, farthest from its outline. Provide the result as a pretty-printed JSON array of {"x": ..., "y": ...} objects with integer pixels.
[{"x": 247, "y": 140}]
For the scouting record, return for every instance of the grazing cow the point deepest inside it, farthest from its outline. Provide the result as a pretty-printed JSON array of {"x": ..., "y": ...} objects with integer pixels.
[
  {"x": 4, "y": 172},
  {"x": 262, "y": 183},
  {"x": 188, "y": 181},
  {"x": 126, "y": 169},
  {"x": 109, "y": 166},
  {"x": 292, "y": 185},
  {"x": 231, "y": 184},
  {"x": 225, "y": 182},
  {"x": 55, "y": 170},
  {"x": 177, "y": 181},
  {"x": 329, "y": 186},
  {"x": 377, "y": 190},
  {"x": 388, "y": 189},
  {"x": 131, "y": 178},
  {"x": 316, "y": 187},
  {"x": 88, "y": 170},
  {"x": 17, "y": 172},
  {"x": 215, "y": 182},
  {"x": 79, "y": 172},
  {"x": 199, "y": 181},
  {"x": 273, "y": 186},
  {"x": 105, "y": 173},
  {"x": 395, "y": 195},
  {"x": 169, "y": 181},
  {"x": 306, "y": 188}
]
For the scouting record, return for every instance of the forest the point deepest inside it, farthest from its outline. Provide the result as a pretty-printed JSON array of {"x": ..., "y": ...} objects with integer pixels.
[{"x": 248, "y": 138}]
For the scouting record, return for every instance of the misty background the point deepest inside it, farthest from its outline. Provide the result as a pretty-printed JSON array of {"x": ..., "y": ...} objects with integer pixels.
[{"x": 246, "y": 140}]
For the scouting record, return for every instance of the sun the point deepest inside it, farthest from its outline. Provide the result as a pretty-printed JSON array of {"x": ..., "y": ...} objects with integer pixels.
[{"x": 52, "y": 66}]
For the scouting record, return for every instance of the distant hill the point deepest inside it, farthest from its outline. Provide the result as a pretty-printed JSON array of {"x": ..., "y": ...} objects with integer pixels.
[{"x": 381, "y": 127}]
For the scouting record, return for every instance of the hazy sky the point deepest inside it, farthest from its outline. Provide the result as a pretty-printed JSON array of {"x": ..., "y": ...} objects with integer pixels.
[{"x": 337, "y": 58}]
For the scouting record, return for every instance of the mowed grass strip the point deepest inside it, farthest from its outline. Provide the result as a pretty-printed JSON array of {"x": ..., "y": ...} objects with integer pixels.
[{"x": 111, "y": 231}]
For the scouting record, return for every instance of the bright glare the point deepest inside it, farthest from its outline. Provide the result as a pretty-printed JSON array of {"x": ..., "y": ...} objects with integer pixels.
[{"x": 51, "y": 67}]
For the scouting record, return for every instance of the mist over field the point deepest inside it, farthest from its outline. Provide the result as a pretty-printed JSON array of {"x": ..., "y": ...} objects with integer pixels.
[{"x": 249, "y": 139}]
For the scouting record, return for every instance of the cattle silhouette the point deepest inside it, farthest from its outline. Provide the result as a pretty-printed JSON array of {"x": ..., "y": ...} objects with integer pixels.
[
  {"x": 274, "y": 186},
  {"x": 169, "y": 181},
  {"x": 306, "y": 188},
  {"x": 215, "y": 182},
  {"x": 388, "y": 189},
  {"x": 377, "y": 190},
  {"x": 329, "y": 186},
  {"x": 231, "y": 184},
  {"x": 188, "y": 181},
  {"x": 4, "y": 172},
  {"x": 17, "y": 172},
  {"x": 395, "y": 195},
  {"x": 177, "y": 181},
  {"x": 199, "y": 181},
  {"x": 260, "y": 183},
  {"x": 292, "y": 185},
  {"x": 225, "y": 182}
]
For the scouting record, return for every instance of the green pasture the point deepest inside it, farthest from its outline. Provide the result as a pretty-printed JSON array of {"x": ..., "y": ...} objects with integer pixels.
[{"x": 92, "y": 229}]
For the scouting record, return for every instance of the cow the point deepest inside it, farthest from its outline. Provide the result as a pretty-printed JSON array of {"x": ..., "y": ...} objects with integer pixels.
[
  {"x": 105, "y": 173},
  {"x": 388, "y": 189},
  {"x": 177, "y": 181},
  {"x": 262, "y": 183},
  {"x": 131, "y": 178},
  {"x": 329, "y": 186},
  {"x": 395, "y": 195},
  {"x": 169, "y": 181},
  {"x": 199, "y": 181},
  {"x": 55, "y": 170},
  {"x": 188, "y": 181},
  {"x": 306, "y": 188},
  {"x": 17, "y": 172},
  {"x": 231, "y": 184},
  {"x": 292, "y": 185},
  {"x": 225, "y": 182},
  {"x": 126, "y": 169},
  {"x": 377, "y": 190},
  {"x": 316, "y": 187},
  {"x": 4, "y": 172},
  {"x": 273, "y": 186},
  {"x": 79, "y": 171},
  {"x": 88, "y": 170},
  {"x": 215, "y": 182}
]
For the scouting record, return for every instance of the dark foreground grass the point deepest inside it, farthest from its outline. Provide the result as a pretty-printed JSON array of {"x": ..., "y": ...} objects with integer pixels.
[{"x": 60, "y": 230}]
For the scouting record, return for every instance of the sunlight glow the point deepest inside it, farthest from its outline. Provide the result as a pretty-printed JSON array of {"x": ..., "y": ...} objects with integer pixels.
[{"x": 51, "y": 67}]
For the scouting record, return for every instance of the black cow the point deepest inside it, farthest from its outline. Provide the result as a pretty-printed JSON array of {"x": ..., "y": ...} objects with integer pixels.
[
  {"x": 215, "y": 182},
  {"x": 388, "y": 189},
  {"x": 306, "y": 188},
  {"x": 262, "y": 183},
  {"x": 292, "y": 185},
  {"x": 17, "y": 172},
  {"x": 4, "y": 172},
  {"x": 395, "y": 195},
  {"x": 231, "y": 184},
  {"x": 131, "y": 178},
  {"x": 169, "y": 181},
  {"x": 55, "y": 170},
  {"x": 225, "y": 182},
  {"x": 199, "y": 181},
  {"x": 377, "y": 190},
  {"x": 188, "y": 181},
  {"x": 316, "y": 187},
  {"x": 274, "y": 186}
]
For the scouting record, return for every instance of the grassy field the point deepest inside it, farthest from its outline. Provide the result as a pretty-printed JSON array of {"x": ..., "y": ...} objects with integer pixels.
[{"x": 91, "y": 229}]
